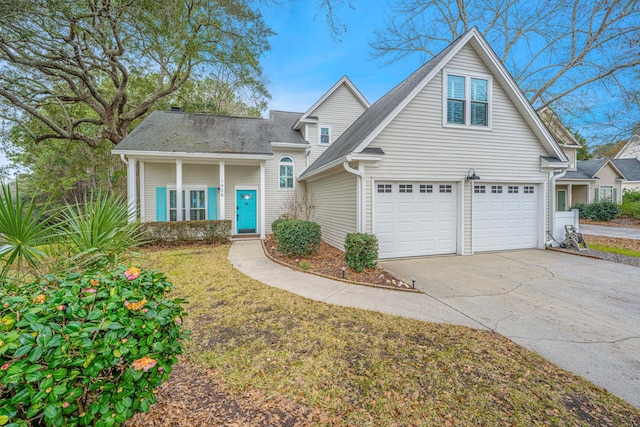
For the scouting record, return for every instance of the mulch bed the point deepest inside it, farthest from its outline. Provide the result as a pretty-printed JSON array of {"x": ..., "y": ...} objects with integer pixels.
[
  {"x": 193, "y": 396},
  {"x": 329, "y": 261}
]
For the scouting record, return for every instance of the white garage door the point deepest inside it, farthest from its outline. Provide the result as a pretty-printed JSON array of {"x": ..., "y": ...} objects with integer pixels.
[
  {"x": 505, "y": 216},
  {"x": 415, "y": 218}
]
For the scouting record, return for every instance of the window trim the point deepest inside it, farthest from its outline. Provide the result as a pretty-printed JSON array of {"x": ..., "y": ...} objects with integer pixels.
[
  {"x": 186, "y": 210},
  {"x": 467, "y": 101},
  {"x": 293, "y": 172},
  {"x": 605, "y": 187},
  {"x": 320, "y": 127}
]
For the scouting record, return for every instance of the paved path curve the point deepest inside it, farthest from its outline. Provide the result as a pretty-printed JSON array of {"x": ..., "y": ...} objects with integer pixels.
[
  {"x": 603, "y": 230},
  {"x": 579, "y": 313}
]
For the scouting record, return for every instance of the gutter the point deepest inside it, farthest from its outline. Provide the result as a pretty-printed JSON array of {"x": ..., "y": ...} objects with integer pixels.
[
  {"x": 361, "y": 189},
  {"x": 552, "y": 205},
  {"x": 124, "y": 159}
]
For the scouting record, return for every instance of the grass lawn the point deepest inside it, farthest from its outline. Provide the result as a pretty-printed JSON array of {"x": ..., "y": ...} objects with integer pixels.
[
  {"x": 363, "y": 368},
  {"x": 615, "y": 250}
]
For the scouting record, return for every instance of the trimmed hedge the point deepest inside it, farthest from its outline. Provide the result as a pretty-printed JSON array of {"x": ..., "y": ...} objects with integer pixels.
[
  {"x": 86, "y": 349},
  {"x": 601, "y": 211},
  {"x": 360, "y": 251},
  {"x": 297, "y": 237},
  {"x": 208, "y": 231},
  {"x": 275, "y": 225}
]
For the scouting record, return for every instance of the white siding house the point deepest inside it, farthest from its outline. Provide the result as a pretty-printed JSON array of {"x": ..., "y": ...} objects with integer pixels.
[{"x": 453, "y": 160}]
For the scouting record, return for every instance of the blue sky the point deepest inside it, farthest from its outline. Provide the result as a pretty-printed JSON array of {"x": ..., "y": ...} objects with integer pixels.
[{"x": 305, "y": 62}]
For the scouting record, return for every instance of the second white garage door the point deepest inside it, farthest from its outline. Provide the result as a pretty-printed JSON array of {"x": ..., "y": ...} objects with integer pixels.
[
  {"x": 415, "y": 218},
  {"x": 505, "y": 216}
]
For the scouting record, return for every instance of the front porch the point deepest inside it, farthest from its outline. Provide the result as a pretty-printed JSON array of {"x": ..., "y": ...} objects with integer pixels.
[{"x": 570, "y": 193}]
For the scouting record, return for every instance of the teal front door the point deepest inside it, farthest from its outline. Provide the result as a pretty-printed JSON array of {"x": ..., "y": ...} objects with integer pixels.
[{"x": 246, "y": 217}]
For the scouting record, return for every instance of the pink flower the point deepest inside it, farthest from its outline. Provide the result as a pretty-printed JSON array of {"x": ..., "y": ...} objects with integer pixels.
[
  {"x": 65, "y": 404},
  {"x": 178, "y": 321},
  {"x": 5, "y": 366},
  {"x": 90, "y": 291},
  {"x": 145, "y": 363},
  {"x": 62, "y": 307},
  {"x": 132, "y": 273}
]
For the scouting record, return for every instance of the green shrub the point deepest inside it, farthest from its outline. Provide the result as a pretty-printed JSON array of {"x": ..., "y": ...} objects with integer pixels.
[
  {"x": 631, "y": 196},
  {"x": 601, "y": 211},
  {"x": 275, "y": 225},
  {"x": 632, "y": 209},
  {"x": 208, "y": 231},
  {"x": 297, "y": 237},
  {"x": 360, "y": 251},
  {"x": 86, "y": 349}
]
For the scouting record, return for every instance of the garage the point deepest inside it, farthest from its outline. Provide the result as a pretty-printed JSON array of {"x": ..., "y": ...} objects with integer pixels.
[
  {"x": 505, "y": 216},
  {"x": 415, "y": 218}
]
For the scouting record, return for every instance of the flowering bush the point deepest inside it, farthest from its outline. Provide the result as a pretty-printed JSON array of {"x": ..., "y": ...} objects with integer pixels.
[{"x": 86, "y": 349}]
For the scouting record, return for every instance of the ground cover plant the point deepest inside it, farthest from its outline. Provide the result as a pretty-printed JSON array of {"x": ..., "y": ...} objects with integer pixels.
[{"x": 356, "y": 367}]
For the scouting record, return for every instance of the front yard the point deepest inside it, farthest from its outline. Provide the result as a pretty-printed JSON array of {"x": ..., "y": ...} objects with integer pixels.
[{"x": 263, "y": 356}]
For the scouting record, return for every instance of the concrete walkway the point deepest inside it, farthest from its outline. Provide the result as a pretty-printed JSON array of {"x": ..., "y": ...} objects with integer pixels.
[
  {"x": 579, "y": 313},
  {"x": 602, "y": 230}
]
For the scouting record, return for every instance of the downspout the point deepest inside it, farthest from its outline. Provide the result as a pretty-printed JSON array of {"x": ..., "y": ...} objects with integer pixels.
[
  {"x": 124, "y": 160},
  {"x": 360, "y": 194},
  {"x": 552, "y": 205}
]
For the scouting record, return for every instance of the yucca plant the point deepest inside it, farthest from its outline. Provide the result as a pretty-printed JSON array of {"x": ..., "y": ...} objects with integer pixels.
[
  {"x": 23, "y": 232},
  {"x": 97, "y": 232}
]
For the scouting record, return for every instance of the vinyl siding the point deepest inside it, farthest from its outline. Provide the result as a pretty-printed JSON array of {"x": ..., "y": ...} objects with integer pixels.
[
  {"x": 572, "y": 155},
  {"x": 607, "y": 177},
  {"x": 335, "y": 197},
  {"x": 338, "y": 111},
  {"x": 276, "y": 198},
  {"x": 419, "y": 147}
]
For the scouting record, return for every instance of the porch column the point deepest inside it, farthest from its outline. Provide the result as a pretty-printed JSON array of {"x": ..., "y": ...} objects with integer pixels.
[
  {"x": 221, "y": 207},
  {"x": 132, "y": 196},
  {"x": 141, "y": 191},
  {"x": 179, "y": 190},
  {"x": 262, "y": 203},
  {"x": 569, "y": 196}
]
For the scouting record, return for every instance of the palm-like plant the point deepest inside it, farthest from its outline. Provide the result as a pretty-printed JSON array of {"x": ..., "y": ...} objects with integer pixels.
[
  {"x": 23, "y": 231},
  {"x": 98, "y": 231}
]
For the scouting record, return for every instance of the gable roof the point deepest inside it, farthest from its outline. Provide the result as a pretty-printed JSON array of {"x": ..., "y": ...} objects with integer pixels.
[
  {"x": 591, "y": 168},
  {"x": 179, "y": 132},
  {"x": 375, "y": 119},
  {"x": 344, "y": 80},
  {"x": 631, "y": 149},
  {"x": 629, "y": 167},
  {"x": 559, "y": 131}
]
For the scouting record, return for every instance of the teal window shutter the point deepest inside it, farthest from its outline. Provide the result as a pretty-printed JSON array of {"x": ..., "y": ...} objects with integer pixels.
[
  {"x": 615, "y": 195},
  {"x": 161, "y": 204},
  {"x": 212, "y": 203},
  {"x": 597, "y": 195}
]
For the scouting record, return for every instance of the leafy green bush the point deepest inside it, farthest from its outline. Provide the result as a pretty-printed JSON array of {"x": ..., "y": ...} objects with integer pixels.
[
  {"x": 178, "y": 232},
  {"x": 601, "y": 211},
  {"x": 631, "y": 196},
  {"x": 360, "y": 251},
  {"x": 632, "y": 209},
  {"x": 86, "y": 349},
  {"x": 297, "y": 237},
  {"x": 275, "y": 225}
]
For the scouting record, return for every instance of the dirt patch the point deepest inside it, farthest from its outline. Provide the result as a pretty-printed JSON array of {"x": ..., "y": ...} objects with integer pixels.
[
  {"x": 193, "y": 396},
  {"x": 626, "y": 222},
  {"x": 615, "y": 242},
  {"x": 329, "y": 261}
]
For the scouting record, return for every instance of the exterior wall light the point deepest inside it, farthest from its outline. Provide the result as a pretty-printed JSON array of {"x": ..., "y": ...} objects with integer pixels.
[{"x": 471, "y": 175}]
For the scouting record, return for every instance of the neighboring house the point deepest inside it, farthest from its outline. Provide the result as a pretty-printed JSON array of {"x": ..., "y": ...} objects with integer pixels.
[
  {"x": 631, "y": 170},
  {"x": 631, "y": 150},
  {"x": 453, "y": 160}
]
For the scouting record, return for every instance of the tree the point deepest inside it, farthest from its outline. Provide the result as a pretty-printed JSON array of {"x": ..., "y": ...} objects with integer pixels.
[
  {"x": 608, "y": 150},
  {"x": 555, "y": 50},
  {"x": 70, "y": 64},
  {"x": 582, "y": 153}
]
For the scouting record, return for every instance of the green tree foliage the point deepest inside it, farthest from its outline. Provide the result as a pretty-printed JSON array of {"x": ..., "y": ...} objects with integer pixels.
[
  {"x": 583, "y": 153},
  {"x": 608, "y": 150},
  {"x": 70, "y": 64}
]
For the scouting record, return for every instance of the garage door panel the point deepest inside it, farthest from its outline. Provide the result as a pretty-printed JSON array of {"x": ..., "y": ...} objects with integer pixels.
[
  {"x": 506, "y": 220},
  {"x": 415, "y": 223}
]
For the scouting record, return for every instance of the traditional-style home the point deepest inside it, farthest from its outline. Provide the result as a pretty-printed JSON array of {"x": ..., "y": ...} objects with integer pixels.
[{"x": 453, "y": 160}]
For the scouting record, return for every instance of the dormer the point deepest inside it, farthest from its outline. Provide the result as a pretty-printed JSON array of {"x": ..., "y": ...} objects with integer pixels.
[
  {"x": 562, "y": 135},
  {"x": 330, "y": 116}
]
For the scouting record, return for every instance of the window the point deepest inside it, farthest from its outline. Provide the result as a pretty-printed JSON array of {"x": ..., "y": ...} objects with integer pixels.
[
  {"x": 467, "y": 100},
  {"x": 406, "y": 188},
  {"x": 606, "y": 194},
  {"x": 496, "y": 189},
  {"x": 479, "y": 189},
  {"x": 426, "y": 188},
  {"x": 384, "y": 188},
  {"x": 513, "y": 189},
  {"x": 325, "y": 135},
  {"x": 444, "y": 188},
  {"x": 195, "y": 210},
  {"x": 286, "y": 172},
  {"x": 528, "y": 189}
]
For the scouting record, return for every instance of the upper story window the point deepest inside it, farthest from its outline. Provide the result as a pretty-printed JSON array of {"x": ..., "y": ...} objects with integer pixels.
[
  {"x": 467, "y": 100},
  {"x": 286, "y": 172},
  {"x": 325, "y": 135}
]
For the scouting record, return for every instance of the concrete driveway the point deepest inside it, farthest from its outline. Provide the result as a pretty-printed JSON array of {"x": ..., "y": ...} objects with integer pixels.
[{"x": 582, "y": 314}]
